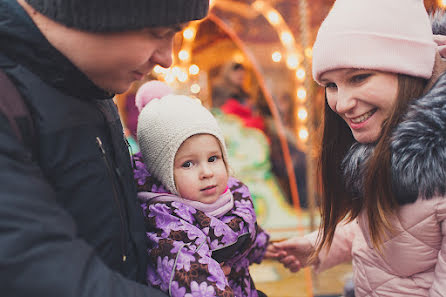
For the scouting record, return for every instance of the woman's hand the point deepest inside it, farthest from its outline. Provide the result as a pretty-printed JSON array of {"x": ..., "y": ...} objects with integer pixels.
[{"x": 293, "y": 253}]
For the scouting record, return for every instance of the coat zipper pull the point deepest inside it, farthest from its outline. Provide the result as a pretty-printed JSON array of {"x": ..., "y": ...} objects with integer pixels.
[{"x": 99, "y": 142}]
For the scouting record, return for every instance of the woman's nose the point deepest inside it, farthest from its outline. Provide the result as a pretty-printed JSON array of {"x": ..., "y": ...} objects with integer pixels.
[{"x": 346, "y": 101}]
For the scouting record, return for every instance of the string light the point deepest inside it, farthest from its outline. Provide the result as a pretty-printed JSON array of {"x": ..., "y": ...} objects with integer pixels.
[
  {"x": 276, "y": 56},
  {"x": 189, "y": 34},
  {"x": 292, "y": 61},
  {"x": 309, "y": 52},
  {"x": 303, "y": 134},
  {"x": 273, "y": 17},
  {"x": 194, "y": 69},
  {"x": 300, "y": 74},
  {"x": 183, "y": 55},
  {"x": 169, "y": 77},
  {"x": 212, "y": 3},
  {"x": 182, "y": 76},
  {"x": 158, "y": 69},
  {"x": 238, "y": 57},
  {"x": 195, "y": 88},
  {"x": 302, "y": 114},
  {"x": 286, "y": 38},
  {"x": 258, "y": 5},
  {"x": 301, "y": 94},
  {"x": 175, "y": 70}
]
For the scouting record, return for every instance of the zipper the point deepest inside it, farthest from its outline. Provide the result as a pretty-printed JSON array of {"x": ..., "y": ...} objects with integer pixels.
[
  {"x": 129, "y": 147},
  {"x": 115, "y": 197}
]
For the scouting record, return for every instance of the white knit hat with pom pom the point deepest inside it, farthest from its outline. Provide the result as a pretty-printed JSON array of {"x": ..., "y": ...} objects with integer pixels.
[{"x": 164, "y": 123}]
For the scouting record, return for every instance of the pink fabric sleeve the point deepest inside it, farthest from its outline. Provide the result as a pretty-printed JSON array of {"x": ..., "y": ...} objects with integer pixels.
[
  {"x": 438, "y": 287},
  {"x": 341, "y": 248}
]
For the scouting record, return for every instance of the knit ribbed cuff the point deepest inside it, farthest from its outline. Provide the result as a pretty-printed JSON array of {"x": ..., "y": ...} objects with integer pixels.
[{"x": 120, "y": 15}]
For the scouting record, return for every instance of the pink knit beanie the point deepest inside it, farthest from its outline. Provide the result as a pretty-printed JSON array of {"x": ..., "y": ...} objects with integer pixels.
[{"x": 387, "y": 35}]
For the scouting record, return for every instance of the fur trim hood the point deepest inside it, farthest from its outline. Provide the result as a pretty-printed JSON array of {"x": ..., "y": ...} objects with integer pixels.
[
  {"x": 419, "y": 147},
  {"x": 418, "y": 143}
]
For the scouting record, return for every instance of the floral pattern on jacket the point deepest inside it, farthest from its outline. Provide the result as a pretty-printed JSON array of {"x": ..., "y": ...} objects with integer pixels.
[{"x": 184, "y": 243}]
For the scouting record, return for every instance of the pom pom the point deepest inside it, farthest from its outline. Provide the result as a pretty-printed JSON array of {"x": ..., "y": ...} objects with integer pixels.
[{"x": 151, "y": 90}]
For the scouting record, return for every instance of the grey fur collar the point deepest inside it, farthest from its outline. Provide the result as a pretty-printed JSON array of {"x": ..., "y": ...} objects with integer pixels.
[{"x": 418, "y": 145}]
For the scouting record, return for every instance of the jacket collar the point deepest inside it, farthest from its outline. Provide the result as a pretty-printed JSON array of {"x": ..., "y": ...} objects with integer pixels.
[{"x": 22, "y": 42}]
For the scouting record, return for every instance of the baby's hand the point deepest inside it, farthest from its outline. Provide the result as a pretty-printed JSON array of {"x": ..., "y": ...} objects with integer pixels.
[
  {"x": 272, "y": 252},
  {"x": 226, "y": 268}
]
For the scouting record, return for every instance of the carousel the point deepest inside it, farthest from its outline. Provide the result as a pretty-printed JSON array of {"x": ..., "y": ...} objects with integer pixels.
[{"x": 249, "y": 62}]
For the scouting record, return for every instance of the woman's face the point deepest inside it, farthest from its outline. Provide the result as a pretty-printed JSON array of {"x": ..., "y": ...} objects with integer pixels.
[
  {"x": 237, "y": 76},
  {"x": 363, "y": 98}
]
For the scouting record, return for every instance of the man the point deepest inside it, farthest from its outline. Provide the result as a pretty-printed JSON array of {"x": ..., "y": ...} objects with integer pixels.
[{"x": 70, "y": 224}]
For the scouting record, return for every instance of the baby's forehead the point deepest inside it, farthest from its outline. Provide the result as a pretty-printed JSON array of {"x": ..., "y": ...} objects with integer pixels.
[{"x": 201, "y": 141}]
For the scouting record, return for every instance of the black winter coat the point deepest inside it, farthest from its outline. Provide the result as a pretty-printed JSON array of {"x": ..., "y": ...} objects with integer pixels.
[{"x": 70, "y": 224}]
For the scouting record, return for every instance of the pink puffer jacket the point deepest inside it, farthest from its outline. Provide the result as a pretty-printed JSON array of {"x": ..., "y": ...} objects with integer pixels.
[{"x": 413, "y": 259}]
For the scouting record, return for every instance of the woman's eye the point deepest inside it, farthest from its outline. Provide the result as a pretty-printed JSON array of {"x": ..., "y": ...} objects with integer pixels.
[
  {"x": 212, "y": 159},
  {"x": 331, "y": 86},
  {"x": 359, "y": 78},
  {"x": 187, "y": 164}
]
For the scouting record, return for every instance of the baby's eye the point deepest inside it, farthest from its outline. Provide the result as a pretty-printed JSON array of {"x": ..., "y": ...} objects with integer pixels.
[
  {"x": 213, "y": 159},
  {"x": 187, "y": 164}
]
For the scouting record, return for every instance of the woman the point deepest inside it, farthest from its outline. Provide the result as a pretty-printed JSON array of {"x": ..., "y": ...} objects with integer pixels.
[
  {"x": 229, "y": 85},
  {"x": 382, "y": 161}
]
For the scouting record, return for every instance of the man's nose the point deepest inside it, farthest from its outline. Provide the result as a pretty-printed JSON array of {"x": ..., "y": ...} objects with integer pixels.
[{"x": 163, "y": 55}]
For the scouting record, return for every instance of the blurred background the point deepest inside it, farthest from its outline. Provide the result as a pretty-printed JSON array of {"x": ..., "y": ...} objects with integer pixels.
[{"x": 249, "y": 62}]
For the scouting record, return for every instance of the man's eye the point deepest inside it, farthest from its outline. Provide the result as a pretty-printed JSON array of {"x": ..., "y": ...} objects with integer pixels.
[
  {"x": 163, "y": 33},
  {"x": 213, "y": 159},
  {"x": 187, "y": 164}
]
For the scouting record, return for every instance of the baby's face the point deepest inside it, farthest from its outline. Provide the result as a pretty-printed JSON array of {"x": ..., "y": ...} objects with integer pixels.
[{"x": 199, "y": 170}]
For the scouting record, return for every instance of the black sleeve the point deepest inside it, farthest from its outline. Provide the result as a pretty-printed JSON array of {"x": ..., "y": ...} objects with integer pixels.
[{"x": 40, "y": 253}]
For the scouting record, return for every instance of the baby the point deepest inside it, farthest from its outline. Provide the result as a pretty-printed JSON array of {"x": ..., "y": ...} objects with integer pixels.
[{"x": 200, "y": 222}]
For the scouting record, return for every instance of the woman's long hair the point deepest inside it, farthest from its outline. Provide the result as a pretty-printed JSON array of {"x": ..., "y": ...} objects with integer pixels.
[{"x": 379, "y": 202}]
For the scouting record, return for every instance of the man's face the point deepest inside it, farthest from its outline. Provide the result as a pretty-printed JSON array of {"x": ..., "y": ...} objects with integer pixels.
[
  {"x": 111, "y": 60},
  {"x": 114, "y": 60}
]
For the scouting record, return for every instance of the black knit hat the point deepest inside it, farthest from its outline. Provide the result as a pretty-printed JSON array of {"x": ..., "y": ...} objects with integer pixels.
[{"x": 120, "y": 15}]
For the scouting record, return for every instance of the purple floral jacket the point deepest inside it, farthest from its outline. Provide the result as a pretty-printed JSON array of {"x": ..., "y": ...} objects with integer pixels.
[{"x": 187, "y": 246}]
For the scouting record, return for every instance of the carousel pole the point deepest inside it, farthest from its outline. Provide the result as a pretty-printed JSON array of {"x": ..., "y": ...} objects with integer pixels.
[{"x": 311, "y": 182}]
